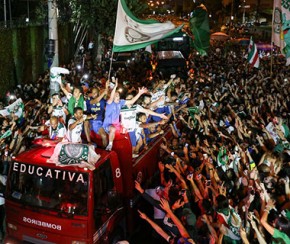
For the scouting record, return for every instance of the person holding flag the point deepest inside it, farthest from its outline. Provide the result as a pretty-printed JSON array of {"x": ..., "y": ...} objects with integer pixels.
[{"x": 253, "y": 55}]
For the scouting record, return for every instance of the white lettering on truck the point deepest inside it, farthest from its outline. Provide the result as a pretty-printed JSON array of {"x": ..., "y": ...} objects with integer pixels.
[
  {"x": 41, "y": 223},
  {"x": 49, "y": 173}
]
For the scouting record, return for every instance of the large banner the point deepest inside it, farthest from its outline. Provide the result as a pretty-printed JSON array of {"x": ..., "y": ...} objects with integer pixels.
[
  {"x": 281, "y": 27},
  {"x": 16, "y": 108},
  {"x": 132, "y": 33}
]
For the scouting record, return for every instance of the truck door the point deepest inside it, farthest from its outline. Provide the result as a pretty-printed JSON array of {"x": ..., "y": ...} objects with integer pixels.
[{"x": 107, "y": 201}]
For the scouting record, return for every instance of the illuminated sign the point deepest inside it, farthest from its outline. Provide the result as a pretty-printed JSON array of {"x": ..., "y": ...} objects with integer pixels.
[{"x": 48, "y": 173}]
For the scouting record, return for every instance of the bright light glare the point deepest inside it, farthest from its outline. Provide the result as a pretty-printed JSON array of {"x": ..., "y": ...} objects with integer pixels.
[{"x": 178, "y": 39}]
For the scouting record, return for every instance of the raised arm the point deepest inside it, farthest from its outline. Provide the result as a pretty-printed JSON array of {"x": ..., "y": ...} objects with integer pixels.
[
  {"x": 165, "y": 205},
  {"x": 149, "y": 111},
  {"x": 111, "y": 99},
  {"x": 264, "y": 218},
  {"x": 155, "y": 226},
  {"x": 65, "y": 91},
  {"x": 104, "y": 92},
  {"x": 134, "y": 99}
]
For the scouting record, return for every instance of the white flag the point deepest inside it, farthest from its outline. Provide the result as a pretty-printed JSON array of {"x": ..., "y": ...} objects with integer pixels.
[
  {"x": 148, "y": 49},
  {"x": 17, "y": 108},
  {"x": 132, "y": 33}
]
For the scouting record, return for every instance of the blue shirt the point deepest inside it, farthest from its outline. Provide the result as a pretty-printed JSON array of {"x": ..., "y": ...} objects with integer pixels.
[
  {"x": 96, "y": 108},
  {"x": 112, "y": 115}
]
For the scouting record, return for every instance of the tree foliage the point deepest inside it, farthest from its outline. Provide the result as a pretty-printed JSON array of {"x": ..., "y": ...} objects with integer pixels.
[{"x": 98, "y": 15}]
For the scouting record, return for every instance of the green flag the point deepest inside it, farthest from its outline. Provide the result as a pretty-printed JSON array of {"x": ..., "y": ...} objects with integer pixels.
[
  {"x": 132, "y": 33},
  {"x": 200, "y": 29}
]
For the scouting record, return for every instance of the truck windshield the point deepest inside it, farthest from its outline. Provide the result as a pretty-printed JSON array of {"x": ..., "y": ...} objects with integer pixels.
[{"x": 48, "y": 188}]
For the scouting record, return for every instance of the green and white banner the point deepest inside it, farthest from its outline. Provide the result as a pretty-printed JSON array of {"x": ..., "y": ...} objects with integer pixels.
[
  {"x": 74, "y": 154},
  {"x": 16, "y": 108},
  {"x": 132, "y": 33},
  {"x": 281, "y": 27}
]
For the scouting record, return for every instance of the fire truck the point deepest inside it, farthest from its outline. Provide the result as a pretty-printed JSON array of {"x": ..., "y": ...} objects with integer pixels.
[{"x": 48, "y": 203}]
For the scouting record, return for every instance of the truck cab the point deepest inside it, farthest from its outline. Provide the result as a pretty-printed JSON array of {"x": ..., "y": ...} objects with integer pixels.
[{"x": 49, "y": 203}]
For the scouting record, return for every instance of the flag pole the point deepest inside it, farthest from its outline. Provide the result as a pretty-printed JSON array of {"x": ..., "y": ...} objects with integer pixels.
[
  {"x": 271, "y": 64},
  {"x": 111, "y": 61}
]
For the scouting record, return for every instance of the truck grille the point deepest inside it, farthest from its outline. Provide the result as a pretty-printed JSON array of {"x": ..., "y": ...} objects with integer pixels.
[{"x": 35, "y": 240}]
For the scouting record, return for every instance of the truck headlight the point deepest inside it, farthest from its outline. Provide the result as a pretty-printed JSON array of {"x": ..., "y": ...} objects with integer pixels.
[{"x": 12, "y": 226}]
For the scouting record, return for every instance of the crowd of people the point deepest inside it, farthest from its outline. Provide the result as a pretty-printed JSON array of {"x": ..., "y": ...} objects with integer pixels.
[{"x": 225, "y": 178}]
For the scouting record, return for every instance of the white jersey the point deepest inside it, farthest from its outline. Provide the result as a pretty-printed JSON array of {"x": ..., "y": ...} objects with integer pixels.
[
  {"x": 74, "y": 135},
  {"x": 138, "y": 131},
  {"x": 59, "y": 112},
  {"x": 59, "y": 132},
  {"x": 272, "y": 131},
  {"x": 155, "y": 96}
]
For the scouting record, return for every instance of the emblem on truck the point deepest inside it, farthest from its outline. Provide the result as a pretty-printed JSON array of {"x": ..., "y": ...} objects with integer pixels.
[{"x": 41, "y": 236}]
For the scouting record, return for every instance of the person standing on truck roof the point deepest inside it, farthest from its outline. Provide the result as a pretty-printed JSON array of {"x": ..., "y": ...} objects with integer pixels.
[
  {"x": 75, "y": 125},
  {"x": 96, "y": 106},
  {"x": 158, "y": 96},
  {"x": 113, "y": 108},
  {"x": 75, "y": 99}
]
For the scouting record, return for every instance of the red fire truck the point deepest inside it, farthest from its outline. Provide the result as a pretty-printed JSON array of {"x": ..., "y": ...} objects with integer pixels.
[{"x": 46, "y": 203}]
